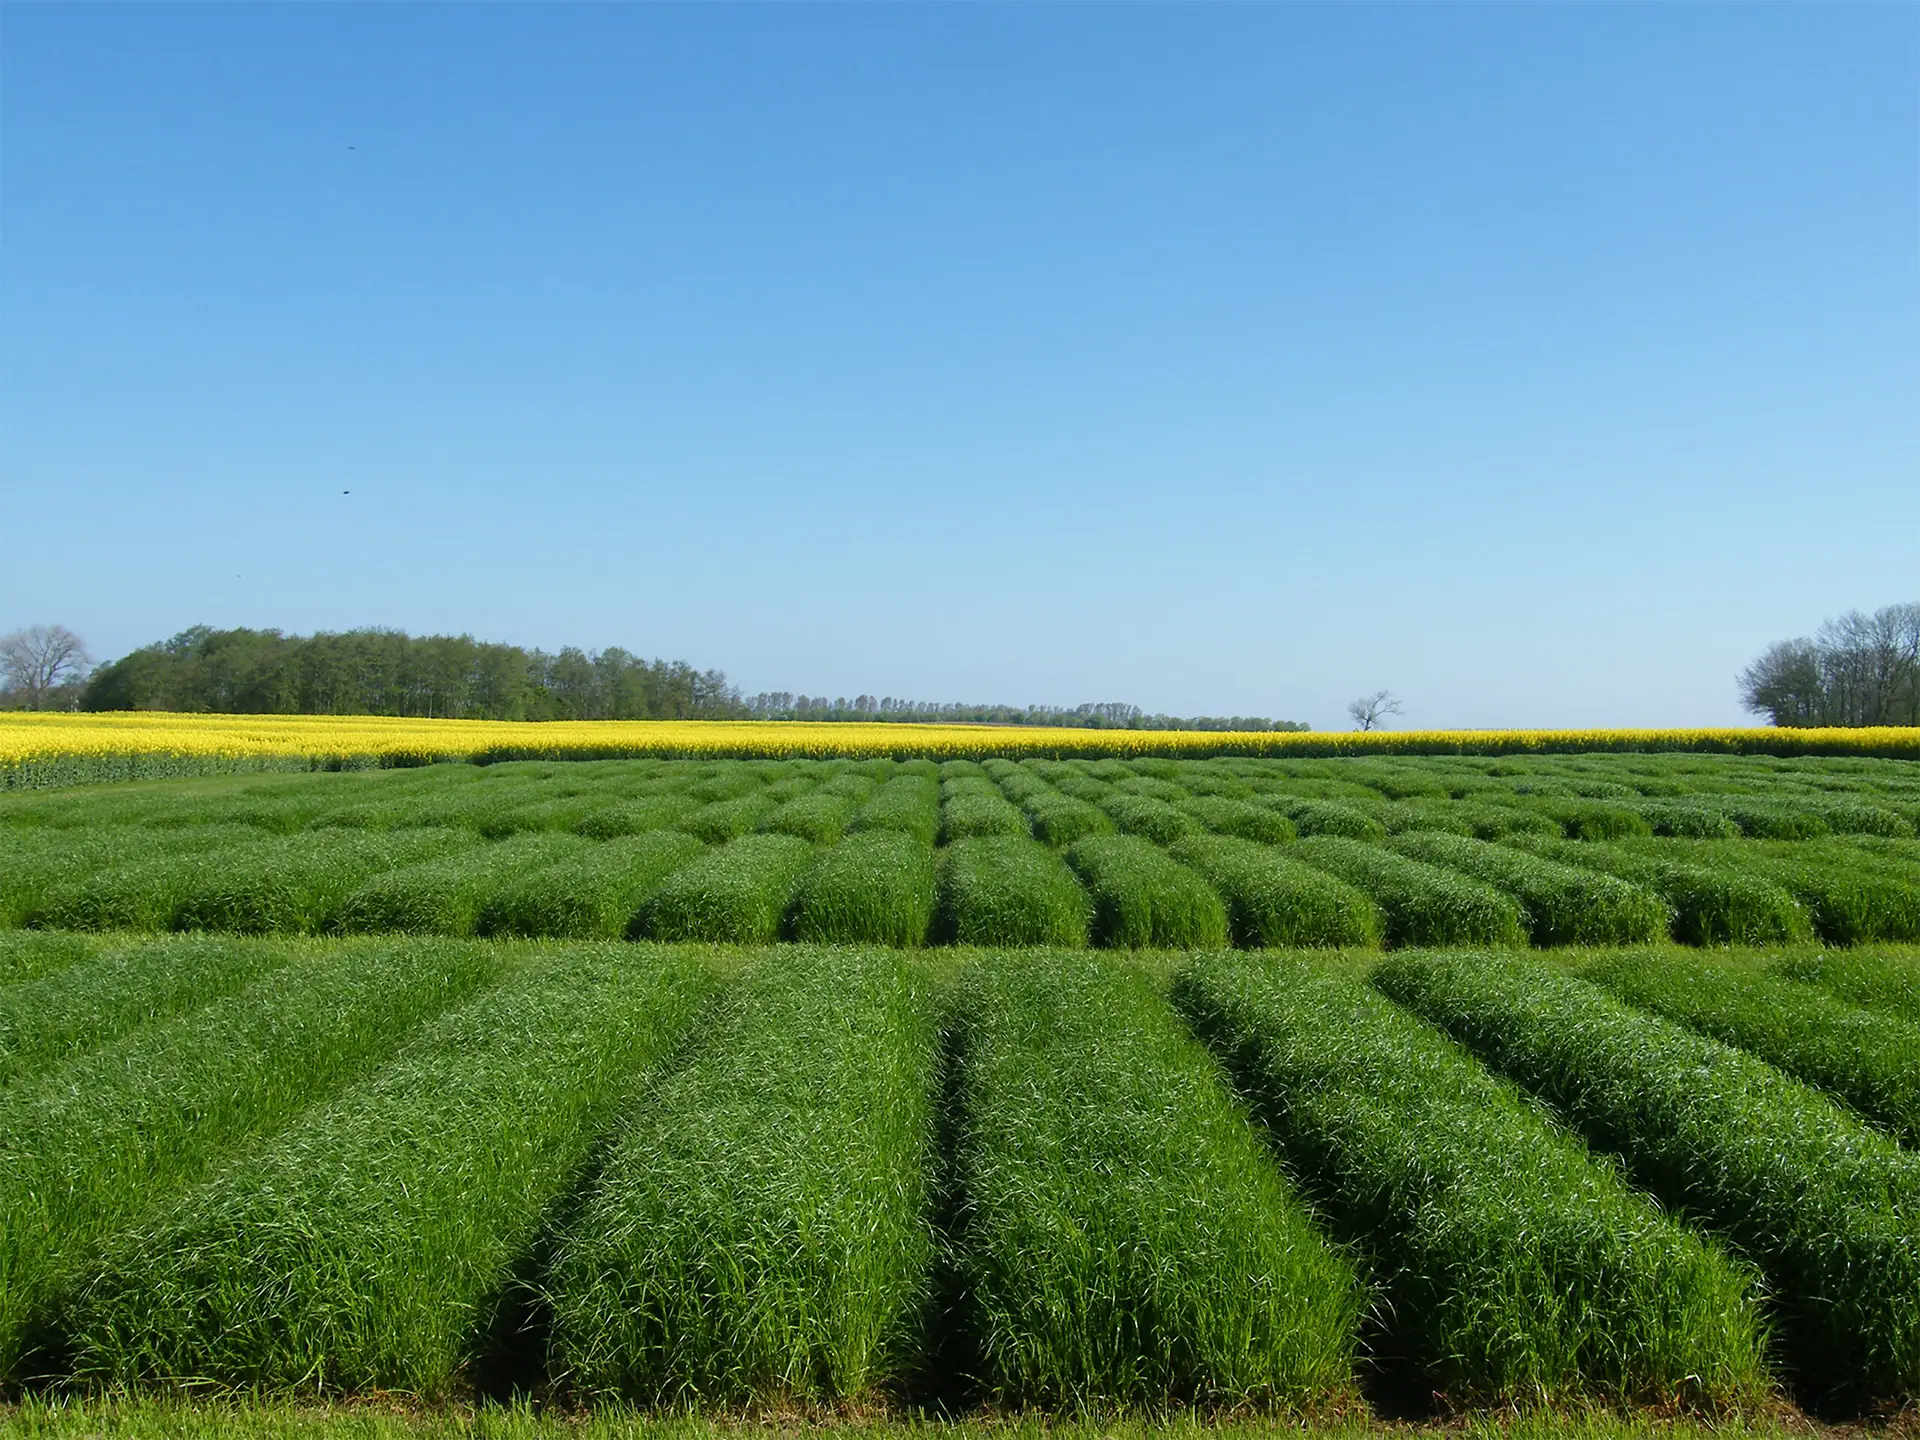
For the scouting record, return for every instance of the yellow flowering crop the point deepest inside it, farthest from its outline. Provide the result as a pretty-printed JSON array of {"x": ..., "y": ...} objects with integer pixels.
[{"x": 152, "y": 742}]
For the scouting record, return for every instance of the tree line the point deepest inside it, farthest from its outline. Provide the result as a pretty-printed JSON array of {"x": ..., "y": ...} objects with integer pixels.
[
  {"x": 388, "y": 672},
  {"x": 1857, "y": 670},
  {"x": 1105, "y": 715}
]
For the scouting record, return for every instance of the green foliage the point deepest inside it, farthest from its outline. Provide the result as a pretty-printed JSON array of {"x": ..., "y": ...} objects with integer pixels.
[
  {"x": 1870, "y": 1061},
  {"x": 762, "y": 1228},
  {"x": 1326, "y": 817},
  {"x": 1688, "y": 820},
  {"x": 908, "y": 803},
  {"x": 371, "y": 1245},
  {"x": 1125, "y": 1240},
  {"x": 973, "y": 805},
  {"x": 1422, "y": 904},
  {"x": 1712, "y": 904},
  {"x": 1274, "y": 901},
  {"x": 1827, "y": 1206},
  {"x": 1875, "y": 982},
  {"x": 724, "y": 820},
  {"x": 32, "y": 955},
  {"x": 1515, "y": 1268},
  {"x": 445, "y": 896},
  {"x": 145, "y": 890},
  {"x": 1849, "y": 898},
  {"x": 873, "y": 888},
  {"x": 597, "y": 894},
  {"x": 736, "y": 895},
  {"x": 1141, "y": 898},
  {"x": 820, "y": 817},
  {"x": 298, "y": 884},
  {"x": 1240, "y": 818},
  {"x": 1059, "y": 820},
  {"x": 1157, "y": 820},
  {"x": 1005, "y": 890},
  {"x": 1562, "y": 905},
  {"x": 636, "y": 816},
  {"x": 87, "y": 1146}
]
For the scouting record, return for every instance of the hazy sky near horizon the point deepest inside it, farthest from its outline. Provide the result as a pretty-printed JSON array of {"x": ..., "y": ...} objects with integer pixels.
[{"x": 1539, "y": 362}]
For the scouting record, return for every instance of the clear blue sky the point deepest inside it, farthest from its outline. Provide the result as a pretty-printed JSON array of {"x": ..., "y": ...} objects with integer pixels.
[{"x": 1540, "y": 362}]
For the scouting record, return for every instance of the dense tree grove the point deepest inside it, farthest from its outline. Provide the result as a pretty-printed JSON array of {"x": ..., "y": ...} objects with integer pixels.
[
  {"x": 387, "y": 672},
  {"x": 1858, "y": 670}
]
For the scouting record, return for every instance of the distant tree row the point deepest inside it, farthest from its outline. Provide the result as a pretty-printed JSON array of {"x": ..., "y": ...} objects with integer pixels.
[
  {"x": 1107, "y": 715},
  {"x": 1857, "y": 670},
  {"x": 387, "y": 672}
]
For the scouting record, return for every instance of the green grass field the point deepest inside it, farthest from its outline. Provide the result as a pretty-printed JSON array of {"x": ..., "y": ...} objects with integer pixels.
[{"x": 1312, "y": 1094}]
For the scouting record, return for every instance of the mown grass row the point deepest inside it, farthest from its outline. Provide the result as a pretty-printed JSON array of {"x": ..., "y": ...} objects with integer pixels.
[
  {"x": 1122, "y": 1237},
  {"x": 763, "y": 1227},
  {"x": 1515, "y": 1268},
  {"x": 84, "y": 1147},
  {"x": 374, "y": 1245},
  {"x": 1823, "y": 1202}
]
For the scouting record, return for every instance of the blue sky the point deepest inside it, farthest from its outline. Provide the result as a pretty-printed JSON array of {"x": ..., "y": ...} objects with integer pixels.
[{"x": 1541, "y": 363}]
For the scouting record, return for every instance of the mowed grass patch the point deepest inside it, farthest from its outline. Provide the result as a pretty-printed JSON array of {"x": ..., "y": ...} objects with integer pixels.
[
  {"x": 373, "y": 1245},
  {"x": 598, "y": 894},
  {"x": 1823, "y": 1202},
  {"x": 763, "y": 1228},
  {"x": 44, "y": 1021},
  {"x": 1516, "y": 1269},
  {"x": 445, "y": 896},
  {"x": 1422, "y": 904},
  {"x": 1143, "y": 898},
  {"x": 1562, "y": 904},
  {"x": 1008, "y": 890},
  {"x": 1871, "y": 1061},
  {"x": 736, "y": 895},
  {"x": 874, "y": 888},
  {"x": 1273, "y": 901},
  {"x": 84, "y": 1148},
  {"x": 1124, "y": 1240}
]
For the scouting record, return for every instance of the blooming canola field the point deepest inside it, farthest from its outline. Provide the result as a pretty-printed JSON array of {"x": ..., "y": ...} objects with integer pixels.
[{"x": 999, "y": 1081}]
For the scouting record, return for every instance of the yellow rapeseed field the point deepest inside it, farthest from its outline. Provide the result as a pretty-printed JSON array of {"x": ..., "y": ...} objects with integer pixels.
[{"x": 110, "y": 741}]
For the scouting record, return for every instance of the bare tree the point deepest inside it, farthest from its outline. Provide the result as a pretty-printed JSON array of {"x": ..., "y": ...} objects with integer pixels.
[
  {"x": 1369, "y": 710},
  {"x": 36, "y": 661}
]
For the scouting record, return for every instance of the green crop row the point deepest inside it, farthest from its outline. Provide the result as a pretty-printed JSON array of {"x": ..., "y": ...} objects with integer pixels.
[
  {"x": 1824, "y": 1203},
  {"x": 1515, "y": 1268}
]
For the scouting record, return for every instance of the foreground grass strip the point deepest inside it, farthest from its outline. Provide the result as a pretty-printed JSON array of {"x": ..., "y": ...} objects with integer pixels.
[
  {"x": 1274, "y": 901},
  {"x": 873, "y": 888},
  {"x": 1889, "y": 983},
  {"x": 1870, "y": 1061},
  {"x": 763, "y": 1229},
  {"x": 84, "y": 1148},
  {"x": 1124, "y": 1237},
  {"x": 369, "y": 1245},
  {"x": 1002, "y": 890},
  {"x": 596, "y": 895},
  {"x": 1517, "y": 1268},
  {"x": 44, "y": 1021},
  {"x": 1422, "y": 904},
  {"x": 737, "y": 894},
  {"x": 1142, "y": 898},
  {"x": 1824, "y": 1203},
  {"x": 1563, "y": 905}
]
